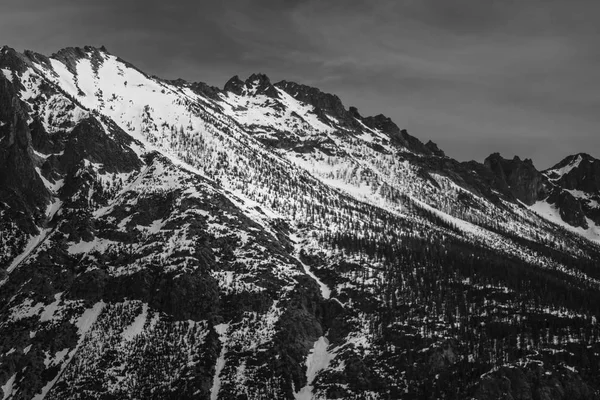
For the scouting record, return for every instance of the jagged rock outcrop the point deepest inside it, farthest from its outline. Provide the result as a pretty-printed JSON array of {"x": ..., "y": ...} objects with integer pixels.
[
  {"x": 256, "y": 84},
  {"x": 433, "y": 147},
  {"x": 89, "y": 141},
  {"x": 577, "y": 172},
  {"x": 570, "y": 209},
  {"x": 262, "y": 85},
  {"x": 400, "y": 136},
  {"x": 577, "y": 176},
  {"x": 71, "y": 55},
  {"x": 234, "y": 85},
  {"x": 523, "y": 180},
  {"x": 324, "y": 103},
  {"x": 21, "y": 187}
]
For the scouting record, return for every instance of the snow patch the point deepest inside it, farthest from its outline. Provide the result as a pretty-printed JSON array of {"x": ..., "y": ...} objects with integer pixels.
[
  {"x": 33, "y": 243},
  {"x": 552, "y": 214},
  {"x": 318, "y": 359},
  {"x": 567, "y": 168},
  {"x": 221, "y": 329},
  {"x": 97, "y": 244},
  {"x": 83, "y": 324},
  {"x": 57, "y": 359},
  {"x": 51, "y": 308},
  {"x": 7, "y": 389},
  {"x": 7, "y": 73},
  {"x": 137, "y": 326},
  {"x": 325, "y": 291}
]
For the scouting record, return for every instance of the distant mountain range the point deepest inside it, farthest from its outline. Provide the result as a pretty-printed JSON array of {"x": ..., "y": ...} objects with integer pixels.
[{"x": 171, "y": 240}]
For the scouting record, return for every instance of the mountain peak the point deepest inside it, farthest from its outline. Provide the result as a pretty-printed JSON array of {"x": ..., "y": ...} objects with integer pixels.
[
  {"x": 577, "y": 172},
  {"x": 433, "y": 147},
  {"x": 234, "y": 85},
  {"x": 324, "y": 103},
  {"x": 71, "y": 55},
  {"x": 12, "y": 59},
  {"x": 258, "y": 79},
  {"x": 567, "y": 164},
  {"x": 354, "y": 112},
  {"x": 81, "y": 52},
  {"x": 256, "y": 84},
  {"x": 520, "y": 177},
  {"x": 260, "y": 84}
]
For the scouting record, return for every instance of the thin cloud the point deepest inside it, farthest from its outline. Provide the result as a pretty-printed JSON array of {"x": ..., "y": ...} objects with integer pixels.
[{"x": 475, "y": 76}]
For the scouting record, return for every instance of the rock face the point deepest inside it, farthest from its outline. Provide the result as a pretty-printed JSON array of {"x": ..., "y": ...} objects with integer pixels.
[
  {"x": 234, "y": 85},
  {"x": 522, "y": 179},
  {"x": 577, "y": 172},
  {"x": 165, "y": 239},
  {"x": 577, "y": 176},
  {"x": 400, "y": 136},
  {"x": 21, "y": 187},
  {"x": 256, "y": 84},
  {"x": 88, "y": 141},
  {"x": 433, "y": 147},
  {"x": 324, "y": 103}
]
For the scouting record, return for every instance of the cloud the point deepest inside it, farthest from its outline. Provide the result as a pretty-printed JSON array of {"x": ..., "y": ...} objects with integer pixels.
[{"x": 476, "y": 76}]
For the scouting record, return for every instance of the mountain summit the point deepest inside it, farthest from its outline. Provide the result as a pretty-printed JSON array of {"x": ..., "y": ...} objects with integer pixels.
[{"x": 168, "y": 239}]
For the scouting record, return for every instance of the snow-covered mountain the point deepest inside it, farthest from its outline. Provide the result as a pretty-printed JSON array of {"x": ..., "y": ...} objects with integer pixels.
[{"x": 167, "y": 239}]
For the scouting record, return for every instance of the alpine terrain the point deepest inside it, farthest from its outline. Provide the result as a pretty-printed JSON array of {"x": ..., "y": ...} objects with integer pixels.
[{"x": 172, "y": 240}]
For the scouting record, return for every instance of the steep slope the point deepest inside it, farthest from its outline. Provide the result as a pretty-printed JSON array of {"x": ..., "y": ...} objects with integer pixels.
[{"x": 170, "y": 239}]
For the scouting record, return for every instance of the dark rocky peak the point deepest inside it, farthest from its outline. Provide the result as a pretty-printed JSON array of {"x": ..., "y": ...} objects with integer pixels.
[
  {"x": 570, "y": 162},
  {"x": 71, "y": 55},
  {"x": 521, "y": 178},
  {"x": 197, "y": 87},
  {"x": 13, "y": 60},
  {"x": 38, "y": 58},
  {"x": 255, "y": 85},
  {"x": 234, "y": 85},
  {"x": 205, "y": 89},
  {"x": 577, "y": 172},
  {"x": 259, "y": 79},
  {"x": 398, "y": 136},
  {"x": 414, "y": 144},
  {"x": 382, "y": 123},
  {"x": 433, "y": 147},
  {"x": 324, "y": 103},
  {"x": 354, "y": 112},
  {"x": 260, "y": 84},
  {"x": 80, "y": 52},
  {"x": 179, "y": 82}
]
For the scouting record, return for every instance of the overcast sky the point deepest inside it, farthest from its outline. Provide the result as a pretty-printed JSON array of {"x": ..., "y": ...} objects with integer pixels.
[{"x": 476, "y": 76}]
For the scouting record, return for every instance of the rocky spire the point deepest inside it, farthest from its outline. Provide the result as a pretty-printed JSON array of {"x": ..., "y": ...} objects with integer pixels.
[
  {"x": 256, "y": 84},
  {"x": 521, "y": 178}
]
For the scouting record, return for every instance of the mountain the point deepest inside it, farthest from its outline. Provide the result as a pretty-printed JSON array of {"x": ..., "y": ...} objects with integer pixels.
[{"x": 169, "y": 239}]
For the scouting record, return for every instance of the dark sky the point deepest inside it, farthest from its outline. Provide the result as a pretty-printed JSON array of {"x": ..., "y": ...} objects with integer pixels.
[{"x": 476, "y": 76}]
